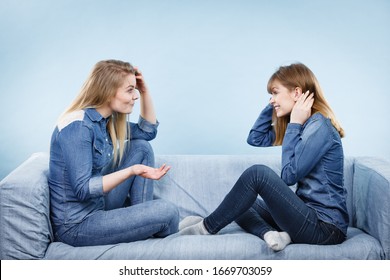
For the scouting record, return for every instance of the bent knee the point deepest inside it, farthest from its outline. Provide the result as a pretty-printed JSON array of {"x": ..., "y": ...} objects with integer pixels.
[
  {"x": 258, "y": 168},
  {"x": 258, "y": 173},
  {"x": 138, "y": 151},
  {"x": 169, "y": 209},
  {"x": 140, "y": 144}
]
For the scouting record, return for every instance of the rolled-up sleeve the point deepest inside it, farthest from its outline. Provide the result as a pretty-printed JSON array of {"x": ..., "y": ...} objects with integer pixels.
[
  {"x": 262, "y": 133},
  {"x": 143, "y": 129},
  {"x": 96, "y": 186}
]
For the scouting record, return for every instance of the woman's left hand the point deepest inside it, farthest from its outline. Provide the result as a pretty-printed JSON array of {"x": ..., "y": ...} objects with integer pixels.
[
  {"x": 141, "y": 84},
  {"x": 302, "y": 108}
]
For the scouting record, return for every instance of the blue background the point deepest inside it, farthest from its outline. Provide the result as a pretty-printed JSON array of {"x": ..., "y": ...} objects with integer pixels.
[{"x": 207, "y": 64}]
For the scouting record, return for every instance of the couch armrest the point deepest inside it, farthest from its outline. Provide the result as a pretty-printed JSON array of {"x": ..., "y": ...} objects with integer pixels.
[
  {"x": 25, "y": 229},
  {"x": 371, "y": 199}
]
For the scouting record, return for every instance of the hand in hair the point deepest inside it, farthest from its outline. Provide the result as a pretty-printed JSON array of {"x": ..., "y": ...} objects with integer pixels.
[
  {"x": 302, "y": 108},
  {"x": 141, "y": 84}
]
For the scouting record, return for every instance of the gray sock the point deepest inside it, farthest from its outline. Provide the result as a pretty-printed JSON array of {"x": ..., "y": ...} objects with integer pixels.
[
  {"x": 189, "y": 221},
  {"x": 197, "y": 229}
]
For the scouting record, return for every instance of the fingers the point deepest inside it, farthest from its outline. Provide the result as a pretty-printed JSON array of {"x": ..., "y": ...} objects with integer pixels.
[
  {"x": 137, "y": 71},
  {"x": 306, "y": 98},
  {"x": 302, "y": 108},
  {"x": 138, "y": 75},
  {"x": 157, "y": 173},
  {"x": 164, "y": 168},
  {"x": 150, "y": 172},
  {"x": 160, "y": 172}
]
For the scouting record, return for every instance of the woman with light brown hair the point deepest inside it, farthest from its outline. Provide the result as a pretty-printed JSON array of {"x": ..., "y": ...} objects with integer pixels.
[
  {"x": 101, "y": 167},
  {"x": 300, "y": 119}
]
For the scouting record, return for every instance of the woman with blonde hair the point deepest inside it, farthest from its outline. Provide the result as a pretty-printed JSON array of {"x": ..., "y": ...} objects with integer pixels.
[
  {"x": 101, "y": 167},
  {"x": 300, "y": 119}
]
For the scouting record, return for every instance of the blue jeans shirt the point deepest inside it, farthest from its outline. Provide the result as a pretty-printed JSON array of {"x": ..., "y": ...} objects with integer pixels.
[
  {"x": 80, "y": 154},
  {"x": 313, "y": 159},
  {"x": 80, "y": 148}
]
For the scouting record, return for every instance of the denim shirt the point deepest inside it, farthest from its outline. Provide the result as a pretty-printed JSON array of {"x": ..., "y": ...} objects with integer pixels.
[
  {"x": 313, "y": 159},
  {"x": 80, "y": 148}
]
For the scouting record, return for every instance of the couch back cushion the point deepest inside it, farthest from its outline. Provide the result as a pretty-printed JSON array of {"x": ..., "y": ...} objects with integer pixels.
[
  {"x": 197, "y": 184},
  {"x": 25, "y": 229}
]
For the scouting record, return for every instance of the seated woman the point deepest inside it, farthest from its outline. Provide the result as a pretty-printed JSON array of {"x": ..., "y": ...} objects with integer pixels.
[
  {"x": 102, "y": 166},
  {"x": 300, "y": 119}
]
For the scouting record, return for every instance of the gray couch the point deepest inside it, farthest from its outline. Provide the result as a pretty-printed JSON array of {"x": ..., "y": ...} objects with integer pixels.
[{"x": 196, "y": 184}]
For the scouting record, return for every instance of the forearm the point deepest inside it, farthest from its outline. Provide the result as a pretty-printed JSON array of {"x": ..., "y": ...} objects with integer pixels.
[
  {"x": 147, "y": 108},
  {"x": 110, "y": 181},
  {"x": 262, "y": 134}
]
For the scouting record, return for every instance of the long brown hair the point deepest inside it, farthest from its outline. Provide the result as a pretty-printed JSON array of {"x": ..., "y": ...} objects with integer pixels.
[
  {"x": 299, "y": 75},
  {"x": 101, "y": 85}
]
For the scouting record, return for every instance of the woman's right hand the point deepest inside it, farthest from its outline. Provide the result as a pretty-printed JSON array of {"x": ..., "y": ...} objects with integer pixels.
[{"x": 150, "y": 172}]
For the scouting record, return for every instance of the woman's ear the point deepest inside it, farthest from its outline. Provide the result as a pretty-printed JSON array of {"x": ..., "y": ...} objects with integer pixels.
[{"x": 297, "y": 92}]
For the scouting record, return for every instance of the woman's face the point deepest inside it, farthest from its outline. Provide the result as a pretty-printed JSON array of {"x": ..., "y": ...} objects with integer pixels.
[
  {"x": 125, "y": 97},
  {"x": 282, "y": 99}
]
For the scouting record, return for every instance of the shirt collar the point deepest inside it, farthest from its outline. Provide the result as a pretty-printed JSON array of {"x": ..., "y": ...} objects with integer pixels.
[{"x": 94, "y": 115}]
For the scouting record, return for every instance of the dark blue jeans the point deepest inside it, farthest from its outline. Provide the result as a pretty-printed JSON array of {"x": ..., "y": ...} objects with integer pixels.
[{"x": 279, "y": 209}]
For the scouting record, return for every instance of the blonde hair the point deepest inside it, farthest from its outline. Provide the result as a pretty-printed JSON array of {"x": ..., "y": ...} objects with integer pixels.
[
  {"x": 101, "y": 85},
  {"x": 299, "y": 75}
]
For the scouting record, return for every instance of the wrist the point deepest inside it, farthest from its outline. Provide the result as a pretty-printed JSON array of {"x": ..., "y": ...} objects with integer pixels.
[
  {"x": 296, "y": 122},
  {"x": 143, "y": 91},
  {"x": 131, "y": 170}
]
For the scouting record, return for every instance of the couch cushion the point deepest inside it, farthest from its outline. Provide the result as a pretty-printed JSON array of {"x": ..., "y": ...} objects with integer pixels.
[
  {"x": 372, "y": 187},
  {"x": 25, "y": 229},
  {"x": 232, "y": 244},
  {"x": 198, "y": 183}
]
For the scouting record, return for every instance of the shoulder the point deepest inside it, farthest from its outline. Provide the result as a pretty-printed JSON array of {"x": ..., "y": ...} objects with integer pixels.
[
  {"x": 318, "y": 120},
  {"x": 69, "y": 118},
  {"x": 318, "y": 124},
  {"x": 74, "y": 127}
]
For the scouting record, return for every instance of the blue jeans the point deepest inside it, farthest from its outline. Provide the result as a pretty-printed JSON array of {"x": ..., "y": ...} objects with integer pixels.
[
  {"x": 130, "y": 212},
  {"x": 279, "y": 209},
  {"x": 136, "y": 189}
]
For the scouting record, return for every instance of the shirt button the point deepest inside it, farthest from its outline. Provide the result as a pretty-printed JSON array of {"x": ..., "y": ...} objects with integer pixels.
[
  {"x": 106, "y": 140},
  {"x": 109, "y": 155}
]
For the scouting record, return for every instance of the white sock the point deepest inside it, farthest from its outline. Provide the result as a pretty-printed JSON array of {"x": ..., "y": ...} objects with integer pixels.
[
  {"x": 277, "y": 240},
  {"x": 189, "y": 221},
  {"x": 196, "y": 229}
]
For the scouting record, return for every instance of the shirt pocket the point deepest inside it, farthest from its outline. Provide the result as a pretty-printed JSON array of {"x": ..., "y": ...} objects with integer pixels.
[{"x": 101, "y": 155}]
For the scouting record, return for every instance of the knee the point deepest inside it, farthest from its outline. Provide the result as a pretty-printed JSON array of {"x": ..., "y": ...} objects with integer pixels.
[
  {"x": 257, "y": 174},
  {"x": 140, "y": 150},
  {"x": 258, "y": 169},
  {"x": 170, "y": 211},
  {"x": 140, "y": 145}
]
